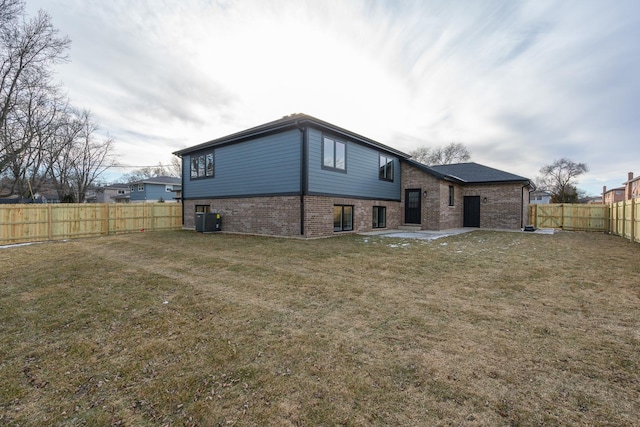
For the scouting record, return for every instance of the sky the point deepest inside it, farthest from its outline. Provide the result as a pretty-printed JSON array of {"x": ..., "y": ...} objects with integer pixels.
[{"x": 519, "y": 83}]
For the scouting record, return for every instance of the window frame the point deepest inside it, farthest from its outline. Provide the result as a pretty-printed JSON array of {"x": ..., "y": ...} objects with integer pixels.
[
  {"x": 341, "y": 228},
  {"x": 451, "y": 195},
  {"x": 334, "y": 154},
  {"x": 386, "y": 169},
  {"x": 140, "y": 187},
  {"x": 379, "y": 211},
  {"x": 202, "y": 165}
]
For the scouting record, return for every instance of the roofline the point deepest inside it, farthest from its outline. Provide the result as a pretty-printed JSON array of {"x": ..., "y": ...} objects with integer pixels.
[
  {"x": 151, "y": 181},
  {"x": 459, "y": 180},
  {"x": 433, "y": 172},
  {"x": 292, "y": 121}
]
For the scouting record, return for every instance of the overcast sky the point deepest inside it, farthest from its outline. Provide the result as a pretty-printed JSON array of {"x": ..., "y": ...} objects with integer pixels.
[{"x": 520, "y": 83}]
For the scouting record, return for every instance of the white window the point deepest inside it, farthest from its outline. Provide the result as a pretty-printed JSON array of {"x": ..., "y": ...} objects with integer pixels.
[
  {"x": 140, "y": 187},
  {"x": 168, "y": 188}
]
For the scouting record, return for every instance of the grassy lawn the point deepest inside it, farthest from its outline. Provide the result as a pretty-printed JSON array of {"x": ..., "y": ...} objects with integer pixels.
[{"x": 180, "y": 328}]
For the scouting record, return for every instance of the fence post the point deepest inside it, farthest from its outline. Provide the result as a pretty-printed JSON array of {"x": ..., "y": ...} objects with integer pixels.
[
  {"x": 49, "y": 222},
  {"x": 632, "y": 234}
]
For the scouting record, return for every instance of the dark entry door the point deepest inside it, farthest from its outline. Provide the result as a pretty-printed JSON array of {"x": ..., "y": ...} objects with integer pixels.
[
  {"x": 471, "y": 211},
  {"x": 412, "y": 206}
]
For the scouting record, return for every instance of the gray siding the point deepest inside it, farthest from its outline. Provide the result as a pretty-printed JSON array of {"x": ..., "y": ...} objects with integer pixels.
[
  {"x": 360, "y": 180},
  {"x": 267, "y": 165},
  {"x": 151, "y": 192}
]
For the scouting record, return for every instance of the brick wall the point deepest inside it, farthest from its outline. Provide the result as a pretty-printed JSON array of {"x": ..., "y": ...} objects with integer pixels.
[
  {"x": 436, "y": 214},
  {"x": 319, "y": 215},
  {"x": 503, "y": 206},
  {"x": 451, "y": 216},
  {"x": 280, "y": 216},
  {"x": 414, "y": 178},
  {"x": 273, "y": 216}
]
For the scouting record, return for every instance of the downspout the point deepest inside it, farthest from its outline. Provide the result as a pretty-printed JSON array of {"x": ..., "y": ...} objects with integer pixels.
[
  {"x": 182, "y": 184},
  {"x": 522, "y": 205},
  {"x": 303, "y": 173}
]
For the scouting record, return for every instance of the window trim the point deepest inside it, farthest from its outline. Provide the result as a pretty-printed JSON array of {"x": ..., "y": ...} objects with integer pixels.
[
  {"x": 451, "y": 195},
  {"x": 342, "y": 221},
  {"x": 386, "y": 169},
  {"x": 377, "y": 210},
  {"x": 205, "y": 170},
  {"x": 335, "y": 145}
]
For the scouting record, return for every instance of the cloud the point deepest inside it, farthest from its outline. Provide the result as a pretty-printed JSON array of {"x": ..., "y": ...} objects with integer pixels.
[{"x": 520, "y": 83}]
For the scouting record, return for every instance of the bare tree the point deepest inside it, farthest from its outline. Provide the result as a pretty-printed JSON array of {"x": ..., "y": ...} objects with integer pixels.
[
  {"x": 455, "y": 152},
  {"x": 174, "y": 169},
  {"x": 81, "y": 162},
  {"x": 28, "y": 50},
  {"x": 559, "y": 178}
]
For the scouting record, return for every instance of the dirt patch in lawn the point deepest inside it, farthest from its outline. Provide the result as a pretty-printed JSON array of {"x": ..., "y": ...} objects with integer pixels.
[{"x": 180, "y": 328}]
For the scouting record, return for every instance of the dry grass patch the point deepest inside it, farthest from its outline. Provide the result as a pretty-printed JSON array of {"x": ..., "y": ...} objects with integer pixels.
[{"x": 180, "y": 328}]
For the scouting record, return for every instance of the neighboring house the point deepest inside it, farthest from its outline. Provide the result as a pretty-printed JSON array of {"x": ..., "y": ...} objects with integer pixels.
[
  {"x": 301, "y": 176},
  {"x": 152, "y": 190},
  {"x": 614, "y": 195},
  {"x": 114, "y": 193},
  {"x": 539, "y": 197},
  {"x": 591, "y": 200}
]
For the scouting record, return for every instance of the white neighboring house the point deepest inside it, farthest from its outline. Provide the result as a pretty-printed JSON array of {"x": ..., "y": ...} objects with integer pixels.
[{"x": 539, "y": 197}]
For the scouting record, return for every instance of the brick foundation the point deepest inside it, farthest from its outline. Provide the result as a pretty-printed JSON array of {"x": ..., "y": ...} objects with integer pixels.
[{"x": 280, "y": 216}]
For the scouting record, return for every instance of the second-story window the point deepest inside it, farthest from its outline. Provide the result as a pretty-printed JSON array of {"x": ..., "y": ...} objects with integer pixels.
[
  {"x": 334, "y": 154},
  {"x": 386, "y": 168},
  {"x": 203, "y": 165}
]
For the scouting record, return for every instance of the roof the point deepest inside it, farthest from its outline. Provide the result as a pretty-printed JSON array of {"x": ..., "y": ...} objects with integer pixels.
[
  {"x": 164, "y": 180},
  {"x": 474, "y": 173},
  {"x": 609, "y": 190},
  {"x": 540, "y": 193},
  {"x": 293, "y": 121},
  {"x": 432, "y": 171}
]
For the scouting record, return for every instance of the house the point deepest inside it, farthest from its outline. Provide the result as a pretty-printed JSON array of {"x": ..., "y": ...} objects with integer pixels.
[
  {"x": 114, "y": 193},
  {"x": 614, "y": 195},
  {"x": 301, "y": 176},
  {"x": 156, "y": 189},
  {"x": 539, "y": 197}
]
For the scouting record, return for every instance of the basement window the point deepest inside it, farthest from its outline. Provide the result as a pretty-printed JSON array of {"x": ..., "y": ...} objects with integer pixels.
[
  {"x": 342, "y": 218},
  {"x": 379, "y": 216}
]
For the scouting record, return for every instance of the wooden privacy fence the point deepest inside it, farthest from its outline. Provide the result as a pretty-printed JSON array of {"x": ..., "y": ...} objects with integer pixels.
[
  {"x": 570, "y": 217},
  {"x": 621, "y": 219},
  {"x": 625, "y": 219},
  {"x": 33, "y": 223}
]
